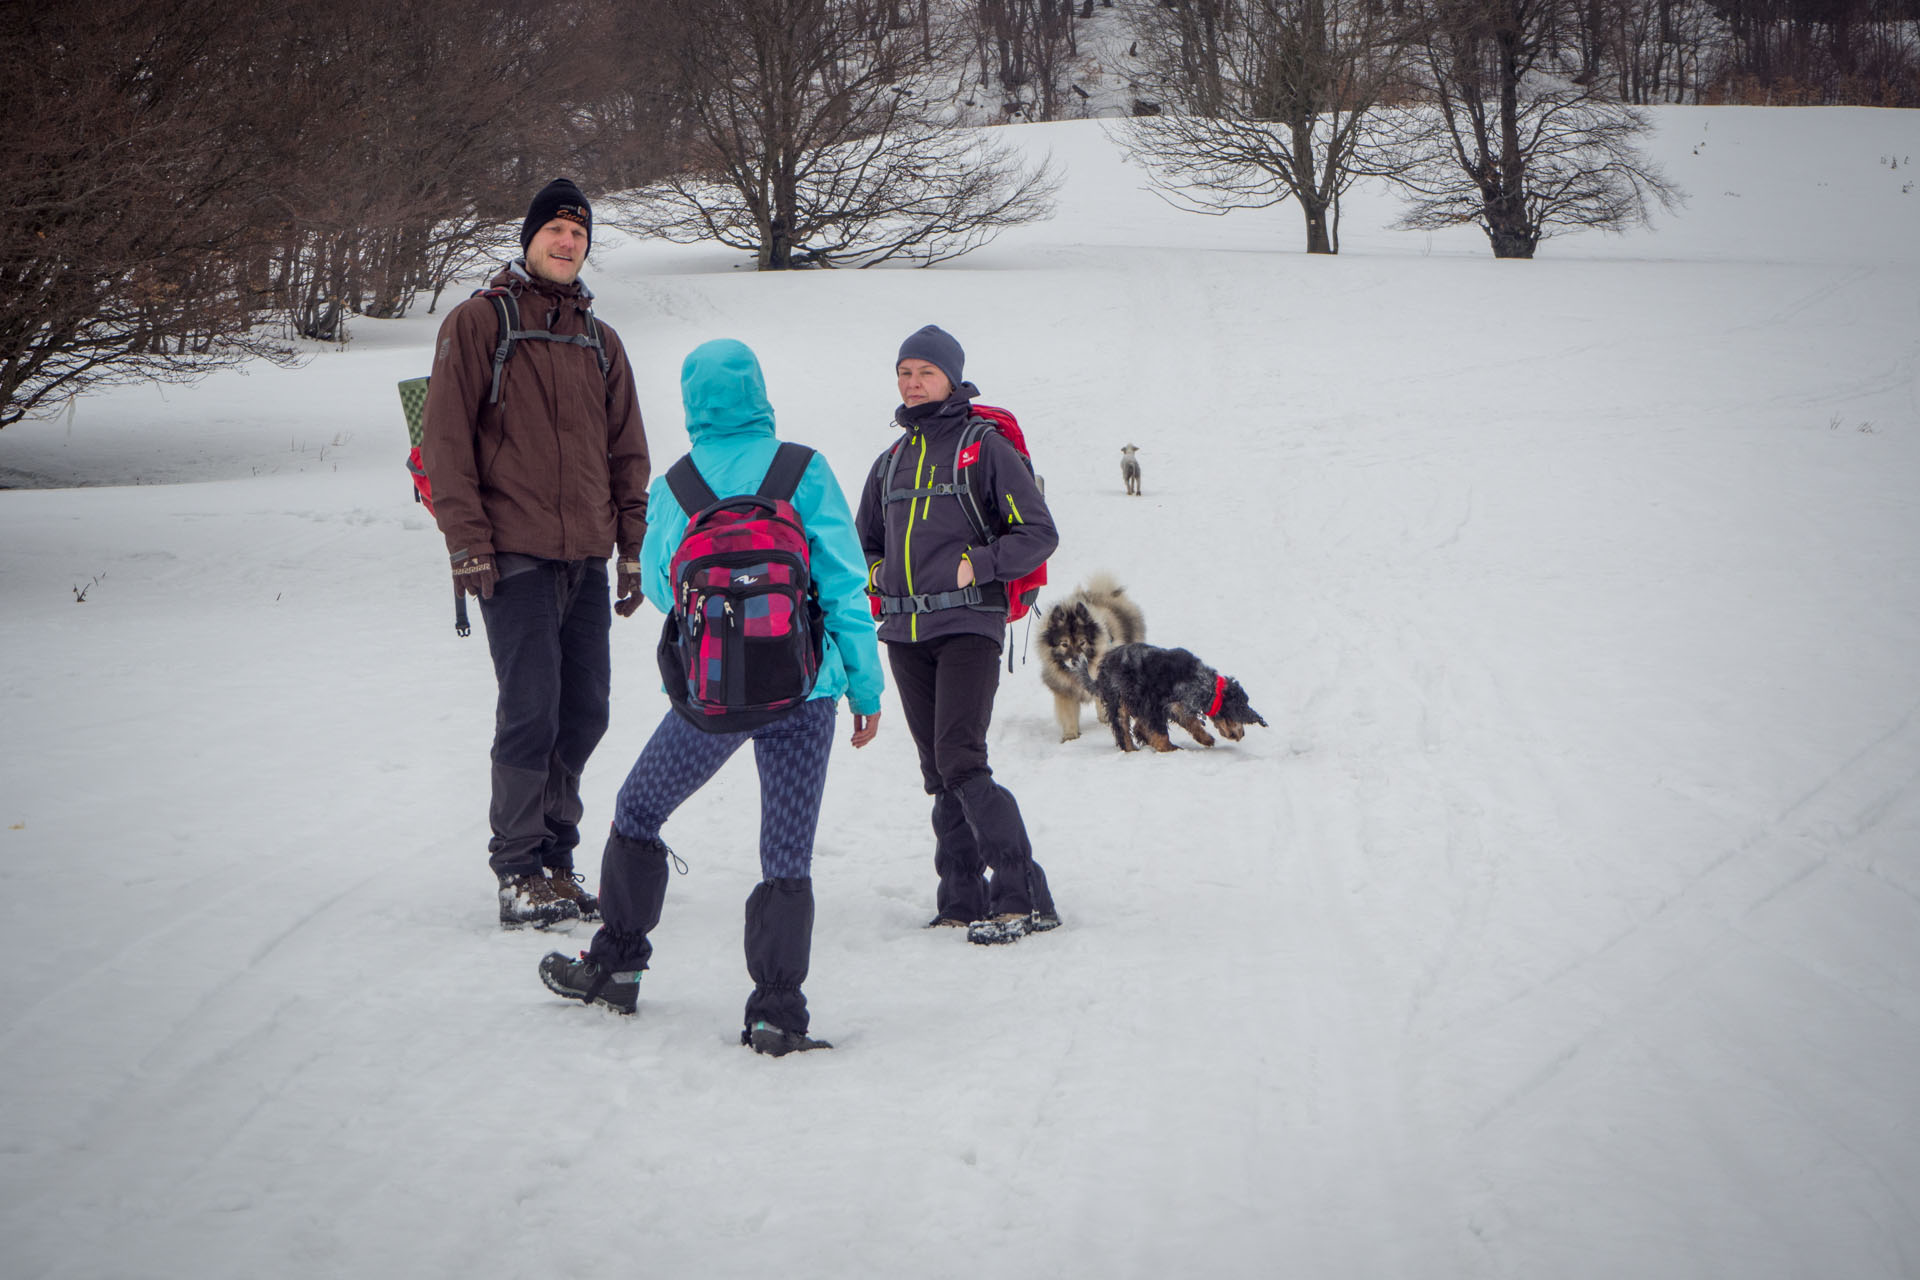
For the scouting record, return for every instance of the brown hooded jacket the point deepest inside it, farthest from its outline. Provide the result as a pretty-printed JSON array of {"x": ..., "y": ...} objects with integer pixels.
[{"x": 558, "y": 468}]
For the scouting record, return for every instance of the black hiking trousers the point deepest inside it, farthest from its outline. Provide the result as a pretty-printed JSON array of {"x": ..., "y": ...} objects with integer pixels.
[
  {"x": 980, "y": 848},
  {"x": 547, "y": 630}
]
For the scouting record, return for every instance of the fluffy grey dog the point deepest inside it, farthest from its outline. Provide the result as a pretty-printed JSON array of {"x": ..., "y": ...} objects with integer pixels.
[
  {"x": 1130, "y": 469},
  {"x": 1075, "y": 635}
]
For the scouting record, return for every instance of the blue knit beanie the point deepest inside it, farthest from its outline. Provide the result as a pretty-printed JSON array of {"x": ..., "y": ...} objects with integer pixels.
[{"x": 937, "y": 347}]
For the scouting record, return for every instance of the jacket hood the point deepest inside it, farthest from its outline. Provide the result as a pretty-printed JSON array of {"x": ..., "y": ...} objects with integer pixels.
[
  {"x": 957, "y": 407},
  {"x": 724, "y": 392},
  {"x": 516, "y": 277}
]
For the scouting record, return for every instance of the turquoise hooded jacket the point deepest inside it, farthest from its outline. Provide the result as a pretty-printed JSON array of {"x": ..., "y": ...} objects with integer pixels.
[{"x": 730, "y": 424}]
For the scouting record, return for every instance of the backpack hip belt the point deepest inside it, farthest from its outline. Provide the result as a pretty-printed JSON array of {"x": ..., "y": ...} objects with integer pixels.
[{"x": 969, "y": 596}]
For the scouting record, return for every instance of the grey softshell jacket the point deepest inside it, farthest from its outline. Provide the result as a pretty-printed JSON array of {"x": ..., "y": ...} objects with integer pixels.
[{"x": 915, "y": 547}]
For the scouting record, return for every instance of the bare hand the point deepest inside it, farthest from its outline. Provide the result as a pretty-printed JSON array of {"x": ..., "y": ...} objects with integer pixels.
[
  {"x": 864, "y": 728},
  {"x": 966, "y": 573}
]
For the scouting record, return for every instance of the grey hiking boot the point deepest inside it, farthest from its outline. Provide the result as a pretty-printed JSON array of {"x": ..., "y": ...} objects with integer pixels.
[
  {"x": 533, "y": 900},
  {"x": 1009, "y": 926},
  {"x": 764, "y": 1037},
  {"x": 573, "y": 887},
  {"x": 587, "y": 982}
]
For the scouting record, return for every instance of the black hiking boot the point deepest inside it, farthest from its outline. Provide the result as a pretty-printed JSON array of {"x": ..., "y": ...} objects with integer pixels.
[
  {"x": 533, "y": 899},
  {"x": 573, "y": 887},
  {"x": 587, "y": 982},
  {"x": 764, "y": 1037}
]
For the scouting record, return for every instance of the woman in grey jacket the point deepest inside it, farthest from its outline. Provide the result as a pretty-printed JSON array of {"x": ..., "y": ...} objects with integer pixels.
[{"x": 944, "y": 606}]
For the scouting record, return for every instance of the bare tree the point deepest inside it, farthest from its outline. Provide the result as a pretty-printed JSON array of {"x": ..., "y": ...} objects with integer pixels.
[
  {"x": 123, "y": 252},
  {"x": 818, "y": 136},
  {"x": 1273, "y": 100},
  {"x": 1507, "y": 147}
]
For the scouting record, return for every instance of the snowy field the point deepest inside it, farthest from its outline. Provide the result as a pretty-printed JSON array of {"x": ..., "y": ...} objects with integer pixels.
[{"x": 1565, "y": 924}]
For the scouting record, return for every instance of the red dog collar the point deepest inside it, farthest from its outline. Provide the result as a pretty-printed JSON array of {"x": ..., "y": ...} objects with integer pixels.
[{"x": 1219, "y": 695}]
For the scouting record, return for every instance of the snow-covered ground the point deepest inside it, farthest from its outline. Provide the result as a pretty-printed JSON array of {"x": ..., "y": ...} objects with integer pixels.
[{"x": 1564, "y": 924}]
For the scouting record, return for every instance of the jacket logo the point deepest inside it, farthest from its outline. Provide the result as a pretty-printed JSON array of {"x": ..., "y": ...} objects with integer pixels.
[{"x": 746, "y": 579}]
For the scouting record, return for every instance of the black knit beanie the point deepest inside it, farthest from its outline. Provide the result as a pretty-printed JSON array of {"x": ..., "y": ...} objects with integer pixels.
[
  {"x": 937, "y": 347},
  {"x": 558, "y": 199}
]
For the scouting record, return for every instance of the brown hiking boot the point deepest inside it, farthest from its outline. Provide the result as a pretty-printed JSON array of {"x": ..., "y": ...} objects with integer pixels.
[
  {"x": 533, "y": 900},
  {"x": 573, "y": 888}
]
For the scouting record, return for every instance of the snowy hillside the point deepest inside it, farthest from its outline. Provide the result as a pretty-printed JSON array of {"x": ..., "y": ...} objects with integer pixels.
[{"x": 1565, "y": 924}]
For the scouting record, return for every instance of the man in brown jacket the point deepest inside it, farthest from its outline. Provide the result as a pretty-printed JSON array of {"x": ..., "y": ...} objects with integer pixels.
[{"x": 539, "y": 470}]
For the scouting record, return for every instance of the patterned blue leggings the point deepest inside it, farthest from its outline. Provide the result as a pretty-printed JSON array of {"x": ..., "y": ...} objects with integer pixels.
[{"x": 791, "y": 755}]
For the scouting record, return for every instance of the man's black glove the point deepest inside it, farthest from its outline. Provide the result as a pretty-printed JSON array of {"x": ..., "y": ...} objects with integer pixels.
[
  {"x": 474, "y": 574},
  {"x": 626, "y": 587}
]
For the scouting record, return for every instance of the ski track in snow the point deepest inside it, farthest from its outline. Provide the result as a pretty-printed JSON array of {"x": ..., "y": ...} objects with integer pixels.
[{"x": 1562, "y": 923}]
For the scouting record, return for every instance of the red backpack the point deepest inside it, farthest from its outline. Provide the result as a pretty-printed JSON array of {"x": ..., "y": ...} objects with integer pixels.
[{"x": 1024, "y": 590}]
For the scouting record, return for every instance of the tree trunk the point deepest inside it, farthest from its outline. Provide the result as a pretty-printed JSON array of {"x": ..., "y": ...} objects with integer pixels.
[
  {"x": 1509, "y": 242},
  {"x": 1319, "y": 237},
  {"x": 1513, "y": 235}
]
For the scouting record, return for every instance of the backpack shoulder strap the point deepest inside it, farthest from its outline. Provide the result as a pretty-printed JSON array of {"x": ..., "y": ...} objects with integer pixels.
[
  {"x": 599, "y": 346},
  {"x": 509, "y": 313},
  {"x": 785, "y": 471},
  {"x": 975, "y": 434},
  {"x": 887, "y": 493},
  {"x": 690, "y": 488}
]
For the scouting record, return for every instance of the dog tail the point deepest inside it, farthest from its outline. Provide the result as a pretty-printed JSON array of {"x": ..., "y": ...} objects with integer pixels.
[{"x": 1102, "y": 583}]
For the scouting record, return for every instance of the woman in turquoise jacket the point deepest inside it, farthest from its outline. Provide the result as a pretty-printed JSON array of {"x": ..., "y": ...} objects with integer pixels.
[{"x": 730, "y": 424}]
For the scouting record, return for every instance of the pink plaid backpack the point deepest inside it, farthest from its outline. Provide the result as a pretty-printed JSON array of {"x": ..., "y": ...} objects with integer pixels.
[{"x": 742, "y": 644}]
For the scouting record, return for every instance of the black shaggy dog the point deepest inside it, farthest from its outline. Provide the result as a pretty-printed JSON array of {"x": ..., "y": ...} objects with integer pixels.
[{"x": 1141, "y": 687}]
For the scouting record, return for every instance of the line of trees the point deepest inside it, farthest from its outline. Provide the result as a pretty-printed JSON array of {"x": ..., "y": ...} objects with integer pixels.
[
  {"x": 197, "y": 183},
  {"x": 200, "y": 182}
]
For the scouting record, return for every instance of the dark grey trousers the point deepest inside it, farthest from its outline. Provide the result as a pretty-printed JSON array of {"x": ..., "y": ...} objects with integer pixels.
[{"x": 547, "y": 629}]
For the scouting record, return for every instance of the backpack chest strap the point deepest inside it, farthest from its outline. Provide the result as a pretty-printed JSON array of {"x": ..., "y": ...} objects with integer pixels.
[
  {"x": 545, "y": 335},
  {"x": 508, "y": 309},
  {"x": 932, "y": 491}
]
